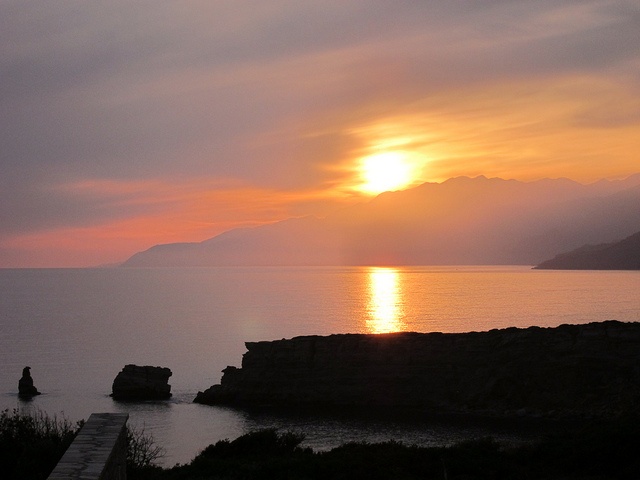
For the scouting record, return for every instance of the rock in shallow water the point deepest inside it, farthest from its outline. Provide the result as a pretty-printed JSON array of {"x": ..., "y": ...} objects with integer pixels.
[
  {"x": 26, "y": 389},
  {"x": 142, "y": 383}
]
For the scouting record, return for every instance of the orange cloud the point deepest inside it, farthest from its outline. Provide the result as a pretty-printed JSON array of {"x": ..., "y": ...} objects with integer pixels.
[
  {"x": 164, "y": 212},
  {"x": 525, "y": 131},
  {"x": 286, "y": 99}
]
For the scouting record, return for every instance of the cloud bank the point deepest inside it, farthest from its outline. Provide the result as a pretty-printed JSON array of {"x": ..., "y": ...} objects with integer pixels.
[{"x": 124, "y": 125}]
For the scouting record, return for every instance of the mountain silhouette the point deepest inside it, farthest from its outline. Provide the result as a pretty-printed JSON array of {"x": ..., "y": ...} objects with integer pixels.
[
  {"x": 622, "y": 255},
  {"x": 460, "y": 221}
]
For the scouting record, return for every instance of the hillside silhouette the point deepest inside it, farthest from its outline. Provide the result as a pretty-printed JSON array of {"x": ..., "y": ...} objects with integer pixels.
[
  {"x": 460, "y": 221},
  {"x": 622, "y": 255}
]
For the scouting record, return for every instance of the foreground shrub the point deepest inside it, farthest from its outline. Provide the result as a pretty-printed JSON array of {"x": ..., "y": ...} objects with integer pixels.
[
  {"x": 31, "y": 445},
  {"x": 260, "y": 454},
  {"x": 594, "y": 451},
  {"x": 142, "y": 449}
]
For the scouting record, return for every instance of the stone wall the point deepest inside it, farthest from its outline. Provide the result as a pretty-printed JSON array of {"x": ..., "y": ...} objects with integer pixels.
[
  {"x": 99, "y": 451},
  {"x": 591, "y": 369}
]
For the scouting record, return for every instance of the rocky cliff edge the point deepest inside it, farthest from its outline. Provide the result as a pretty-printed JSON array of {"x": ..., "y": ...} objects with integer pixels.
[{"x": 571, "y": 370}]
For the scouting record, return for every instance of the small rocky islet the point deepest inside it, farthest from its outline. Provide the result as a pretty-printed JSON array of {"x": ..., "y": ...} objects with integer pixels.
[
  {"x": 137, "y": 383},
  {"x": 589, "y": 370},
  {"x": 26, "y": 388}
]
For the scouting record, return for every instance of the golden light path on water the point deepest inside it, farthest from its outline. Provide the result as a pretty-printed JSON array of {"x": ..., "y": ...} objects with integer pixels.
[{"x": 385, "y": 308}]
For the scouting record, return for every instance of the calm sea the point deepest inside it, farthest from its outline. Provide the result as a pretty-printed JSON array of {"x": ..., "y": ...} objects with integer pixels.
[{"x": 77, "y": 328}]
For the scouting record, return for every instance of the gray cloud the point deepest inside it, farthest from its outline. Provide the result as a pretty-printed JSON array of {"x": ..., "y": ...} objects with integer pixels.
[{"x": 158, "y": 89}]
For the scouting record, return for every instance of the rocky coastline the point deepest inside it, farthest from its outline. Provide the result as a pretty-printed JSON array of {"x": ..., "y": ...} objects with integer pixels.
[{"x": 590, "y": 370}]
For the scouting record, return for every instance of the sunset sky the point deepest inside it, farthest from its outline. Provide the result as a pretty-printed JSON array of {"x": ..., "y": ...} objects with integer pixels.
[{"x": 128, "y": 124}]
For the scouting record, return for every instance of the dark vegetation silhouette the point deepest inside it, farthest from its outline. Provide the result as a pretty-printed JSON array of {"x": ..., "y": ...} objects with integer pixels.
[
  {"x": 592, "y": 451},
  {"x": 32, "y": 444}
]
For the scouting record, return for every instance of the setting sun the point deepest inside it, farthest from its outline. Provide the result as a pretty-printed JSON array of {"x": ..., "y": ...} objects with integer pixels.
[{"x": 385, "y": 171}]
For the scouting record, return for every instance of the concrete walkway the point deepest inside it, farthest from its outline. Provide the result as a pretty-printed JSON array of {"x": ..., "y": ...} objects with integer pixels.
[{"x": 99, "y": 451}]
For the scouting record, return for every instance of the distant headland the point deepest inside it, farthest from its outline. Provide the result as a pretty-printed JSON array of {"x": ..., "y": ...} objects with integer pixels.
[
  {"x": 462, "y": 221},
  {"x": 586, "y": 370},
  {"x": 622, "y": 255}
]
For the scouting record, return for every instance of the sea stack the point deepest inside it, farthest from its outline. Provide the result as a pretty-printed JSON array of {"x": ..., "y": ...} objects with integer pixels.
[
  {"x": 142, "y": 383},
  {"x": 26, "y": 389}
]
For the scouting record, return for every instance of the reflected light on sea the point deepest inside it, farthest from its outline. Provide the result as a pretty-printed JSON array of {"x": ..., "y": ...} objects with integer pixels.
[
  {"x": 385, "y": 308},
  {"x": 77, "y": 328}
]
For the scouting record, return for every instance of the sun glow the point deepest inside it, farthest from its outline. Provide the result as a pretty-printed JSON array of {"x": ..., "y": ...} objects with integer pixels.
[{"x": 386, "y": 171}]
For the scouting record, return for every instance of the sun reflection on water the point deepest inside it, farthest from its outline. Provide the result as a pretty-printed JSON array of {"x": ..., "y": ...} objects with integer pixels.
[{"x": 385, "y": 306}]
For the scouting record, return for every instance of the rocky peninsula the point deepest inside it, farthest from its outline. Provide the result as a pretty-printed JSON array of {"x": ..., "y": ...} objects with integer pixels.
[{"x": 590, "y": 370}]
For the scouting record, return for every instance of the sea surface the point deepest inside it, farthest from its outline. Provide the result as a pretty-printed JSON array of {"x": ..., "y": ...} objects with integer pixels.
[{"x": 77, "y": 328}]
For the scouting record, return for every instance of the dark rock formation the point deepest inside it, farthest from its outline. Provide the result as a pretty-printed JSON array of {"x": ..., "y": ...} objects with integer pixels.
[
  {"x": 26, "y": 389},
  {"x": 622, "y": 255},
  {"x": 583, "y": 370},
  {"x": 142, "y": 383}
]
